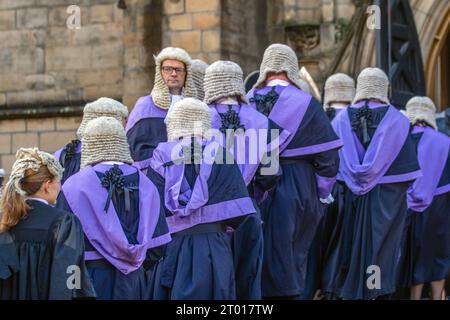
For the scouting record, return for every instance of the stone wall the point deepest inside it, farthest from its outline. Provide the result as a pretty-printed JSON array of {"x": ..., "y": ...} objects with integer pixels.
[
  {"x": 46, "y": 61},
  {"x": 314, "y": 28},
  {"x": 244, "y": 35},
  {"x": 49, "y": 134},
  {"x": 48, "y": 69},
  {"x": 217, "y": 29},
  {"x": 195, "y": 26}
]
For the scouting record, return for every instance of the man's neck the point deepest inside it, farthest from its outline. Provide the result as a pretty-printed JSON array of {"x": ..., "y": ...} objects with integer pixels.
[{"x": 176, "y": 92}]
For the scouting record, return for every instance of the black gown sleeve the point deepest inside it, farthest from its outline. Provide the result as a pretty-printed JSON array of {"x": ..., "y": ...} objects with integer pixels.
[
  {"x": 69, "y": 278},
  {"x": 326, "y": 164},
  {"x": 265, "y": 182},
  {"x": 9, "y": 260}
]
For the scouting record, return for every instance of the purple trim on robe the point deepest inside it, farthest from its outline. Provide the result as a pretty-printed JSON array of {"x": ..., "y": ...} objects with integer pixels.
[
  {"x": 313, "y": 149},
  {"x": 57, "y": 154},
  {"x": 441, "y": 190},
  {"x": 160, "y": 240},
  {"x": 288, "y": 111},
  {"x": 142, "y": 165},
  {"x": 371, "y": 104},
  {"x": 325, "y": 185},
  {"x": 287, "y": 115},
  {"x": 251, "y": 119},
  {"x": 103, "y": 229},
  {"x": 418, "y": 129},
  {"x": 401, "y": 177},
  {"x": 432, "y": 154},
  {"x": 92, "y": 255},
  {"x": 275, "y": 144},
  {"x": 212, "y": 213},
  {"x": 339, "y": 110},
  {"x": 177, "y": 188},
  {"x": 144, "y": 108},
  {"x": 361, "y": 176}
]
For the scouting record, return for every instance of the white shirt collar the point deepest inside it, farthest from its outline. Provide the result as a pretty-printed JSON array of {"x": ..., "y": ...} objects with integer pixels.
[
  {"x": 228, "y": 100},
  {"x": 38, "y": 199},
  {"x": 338, "y": 105},
  {"x": 112, "y": 162},
  {"x": 175, "y": 98},
  {"x": 278, "y": 82}
]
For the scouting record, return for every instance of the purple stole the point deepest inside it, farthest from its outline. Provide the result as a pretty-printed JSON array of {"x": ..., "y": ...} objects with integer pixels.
[
  {"x": 363, "y": 169},
  {"x": 432, "y": 152},
  {"x": 86, "y": 198},
  {"x": 288, "y": 113},
  {"x": 196, "y": 210},
  {"x": 251, "y": 119}
]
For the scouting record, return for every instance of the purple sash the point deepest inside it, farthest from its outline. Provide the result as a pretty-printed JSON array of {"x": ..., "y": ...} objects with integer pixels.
[
  {"x": 432, "y": 155},
  {"x": 251, "y": 119},
  {"x": 176, "y": 188},
  {"x": 144, "y": 108},
  {"x": 288, "y": 112},
  {"x": 363, "y": 170},
  {"x": 86, "y": 198}
]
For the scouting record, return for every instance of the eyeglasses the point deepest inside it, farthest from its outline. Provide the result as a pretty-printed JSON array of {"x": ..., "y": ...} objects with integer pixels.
[{"x": 170, "y": 70}]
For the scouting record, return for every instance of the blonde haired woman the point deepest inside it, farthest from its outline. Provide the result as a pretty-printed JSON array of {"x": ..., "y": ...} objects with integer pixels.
[{"x": 41, "y": 248}]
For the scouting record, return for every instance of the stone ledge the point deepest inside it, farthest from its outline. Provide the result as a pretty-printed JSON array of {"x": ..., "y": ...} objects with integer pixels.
[{"x": 54, "y": 109}]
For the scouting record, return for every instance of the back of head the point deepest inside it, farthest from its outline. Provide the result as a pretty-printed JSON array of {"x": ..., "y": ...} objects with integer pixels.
[
  {"x": 198, "y": 75},
  {"x": 30, "y": 170},
  {"x": 103, "y": 107},
  {"x": 187, "y": 118},
  {"x": 339, "y": 88},
  {"x": 372, "y": 84},
  {"x": 224, "y": 79},
  {"x": 421, "y": 110},
  {"x": 279, "y": 58},
  {"x": 104, "y": 139}
]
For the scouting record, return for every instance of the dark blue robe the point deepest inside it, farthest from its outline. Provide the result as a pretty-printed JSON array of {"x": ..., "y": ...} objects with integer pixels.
[
  {"x": 426, "y": 247},
  {"x": 145, "y": 130},
  {"x": 70, "y": 158},
  {"x": 247, "y": 240},
  {"x": 369, "y": 226},
  {"x": 326, "y": 236},
  {"x": 198, "y": 263},
  {"x": 292, "y": 211}
]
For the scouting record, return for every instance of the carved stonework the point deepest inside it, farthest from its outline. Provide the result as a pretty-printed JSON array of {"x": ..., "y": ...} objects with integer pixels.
[{"x": 303, "y": 38}]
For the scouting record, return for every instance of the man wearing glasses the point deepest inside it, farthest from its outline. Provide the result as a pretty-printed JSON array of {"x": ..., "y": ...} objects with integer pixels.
[{"x": 173, "y": 82}]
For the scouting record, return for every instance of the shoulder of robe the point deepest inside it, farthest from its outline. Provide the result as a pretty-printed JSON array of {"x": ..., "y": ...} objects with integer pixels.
[{"x": 65, "y": 226}]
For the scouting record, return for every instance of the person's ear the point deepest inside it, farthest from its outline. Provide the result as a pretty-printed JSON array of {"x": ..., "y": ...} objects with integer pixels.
[{"x": 47, "y": 186}]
